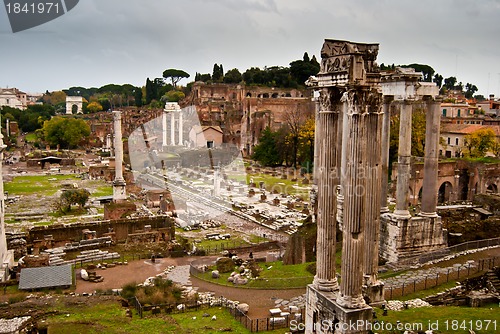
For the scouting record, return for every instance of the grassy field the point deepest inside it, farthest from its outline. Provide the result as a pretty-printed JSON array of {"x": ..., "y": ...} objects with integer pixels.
[
  {"x": 110, "y": 318},
  {"x": 274, "y": 275},
  {"x": 42, "y": 184},
  {"x": 449, "y": 319}
]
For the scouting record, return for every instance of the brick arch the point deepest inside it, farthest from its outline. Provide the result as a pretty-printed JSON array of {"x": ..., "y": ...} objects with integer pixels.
[
  {"x": 444, "y": 192},
  {"x": 492, "y": 188}
]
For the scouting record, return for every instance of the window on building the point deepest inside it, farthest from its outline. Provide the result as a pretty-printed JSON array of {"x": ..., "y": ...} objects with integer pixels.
[
  {"x": 444, "y": 112},
  {"x": 210, "y": 144},
  {"x": 456, "y": 141},
  {"x": 449, "y": 141},
  {"x": 458, "y": 113}
]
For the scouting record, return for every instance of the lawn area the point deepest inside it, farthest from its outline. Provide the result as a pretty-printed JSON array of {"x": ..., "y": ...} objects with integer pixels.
[
  {"x": 274, "y": 183},
  {"x": 274, "y": 275},
  {"x": 30, "y": 137},
  {"x": 42, "y": 184},
  {"x": 110, "y": 317},
  {"x": 449, "y": 319}
]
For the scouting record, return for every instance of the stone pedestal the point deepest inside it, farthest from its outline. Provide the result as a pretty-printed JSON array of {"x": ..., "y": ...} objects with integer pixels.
[
  {"x": 325, "y": 315},
  {"x": 402, "y": 238}
]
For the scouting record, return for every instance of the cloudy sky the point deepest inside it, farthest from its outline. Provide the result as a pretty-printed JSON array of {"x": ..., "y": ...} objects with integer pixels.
[{"x": 126, "y": 41}]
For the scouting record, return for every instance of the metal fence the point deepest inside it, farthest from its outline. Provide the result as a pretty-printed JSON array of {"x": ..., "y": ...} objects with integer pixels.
[
  {"x": 253, "y": 325},
  {"x": 433, "y": 280},
  {"x": 438, "y": 254}
]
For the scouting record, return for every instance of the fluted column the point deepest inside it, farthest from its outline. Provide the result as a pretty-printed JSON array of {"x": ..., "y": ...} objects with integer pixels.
[
  {"x": 355, "y": 205},
  {"x": 373, "y": 172},
  {"x": 180, "y": 129},
  {"x": 119, "y": 192},
  {"x": 429, "y": 188},
  {"x": 386, "y": 141},
  {"x": 404, "y": 157},
  {"x": 172, "y": 128},
  {"x": 327, "y": 169}
]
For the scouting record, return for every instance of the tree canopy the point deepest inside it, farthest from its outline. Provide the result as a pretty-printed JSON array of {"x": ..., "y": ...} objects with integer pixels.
[
  {"x": 175, "y": 75},
  {"x": 479, "y": 142},
  {"x": 65, "y": 132}
]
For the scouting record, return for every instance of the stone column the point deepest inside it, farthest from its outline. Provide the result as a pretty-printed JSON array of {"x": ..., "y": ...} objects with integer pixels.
[
  {"x": 328, "y": 165},
  {"x": 108, "y": 142},
  {"x": 386, "y": 141},
  {"x": 404, "y": 157},
  {"x": 180, "y": 128},
  {"x": 430, "y": 185},
  {"x": 119, "y": 192},
  {"x": 216, "y": 181},
  {"x": 358, "y": 126},
  {"x": 164, "y": 128},
  {"x": 7, "y": 127},
  {"x": 172, "y": 128},
  {"x": 373, "y": 174}
]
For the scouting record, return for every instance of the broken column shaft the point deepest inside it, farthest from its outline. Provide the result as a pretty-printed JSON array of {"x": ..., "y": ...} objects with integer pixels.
[
  {"x": 119, "y": 192},
  {"x": 429, "y": 187},
  {"x": 404, "y": 158}
]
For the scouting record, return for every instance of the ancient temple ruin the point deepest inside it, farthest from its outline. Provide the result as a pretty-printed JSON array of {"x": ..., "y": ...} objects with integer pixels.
[
  {"x": 348, "y": 145},
  {"x": 352, "y": 157},
  {"x": 402, "y": 234}
]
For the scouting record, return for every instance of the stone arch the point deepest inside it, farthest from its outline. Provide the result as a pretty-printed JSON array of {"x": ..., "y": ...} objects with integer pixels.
[
  {"x": 74, "y": 101},
  {"x": 492, "y": 188},
  {"x": 249, "y": 94},
  {"x": 444, "y": 192}
]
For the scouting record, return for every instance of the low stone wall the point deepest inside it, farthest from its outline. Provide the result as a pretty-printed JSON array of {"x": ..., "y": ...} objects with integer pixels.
[{"x": 64, "y": 233}]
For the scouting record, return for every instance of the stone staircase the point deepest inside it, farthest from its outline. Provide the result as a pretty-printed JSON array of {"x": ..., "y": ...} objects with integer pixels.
[{"x": 493, "y": 280}]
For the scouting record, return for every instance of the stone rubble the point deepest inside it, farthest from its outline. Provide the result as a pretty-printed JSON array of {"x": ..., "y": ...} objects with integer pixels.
[{"x": 397, "y": 305}]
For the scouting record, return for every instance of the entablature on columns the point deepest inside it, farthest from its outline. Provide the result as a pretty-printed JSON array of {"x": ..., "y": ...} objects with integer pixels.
[{"x": 405, "y": 84}]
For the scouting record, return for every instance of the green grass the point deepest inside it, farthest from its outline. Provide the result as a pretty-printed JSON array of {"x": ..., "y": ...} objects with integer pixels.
[
  {"x": 109, "y": 317},
  {"x": 279, "y": 276},
  {"x": 103, "y": 191},
  {"x": 42, "y": 184},
  {"x": 274, "y": 183},
  {"x": 31, "y": 137},
  {"x": 447, "y": 319}
]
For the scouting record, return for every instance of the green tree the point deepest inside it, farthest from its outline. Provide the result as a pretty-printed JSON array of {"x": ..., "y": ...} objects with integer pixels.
[
  {"x": 94, "y": 107},
  {"x": 438, "y": 80},
  {"x": 479, "y": 142},
  {"x": 65, "y": 132},
  {"x": 449, "y": 83},
  {"x": 138, "y": 97},
  {"x": 265, "y": 152},
  {"x": 175, "y": 75},
  {"x": 73, "y": 196},
  {"x": 233, "y": 76},
  {"x": 470, "y": 89},
  {"x": 301, "y": 70},
  {"x": 217, "y": 73},
  {"x": 173, "y": 96}
]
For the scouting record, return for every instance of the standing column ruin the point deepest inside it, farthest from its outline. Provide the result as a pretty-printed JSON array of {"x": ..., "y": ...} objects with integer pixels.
[
  {"x": 386, "y": 142},
  {"x": 404, "y": 159},
  {"x": 180, "y": 128},
  {"x": 430, "y": 184},
  {"x": 6, "y": 256},
  {"x": 172, "y": 128},
  {"x": 164, "y": 128},
  {"x": 350, "y": 139},
  {"x": 119, "y": 193},
  {"x": 328, "y": 166}
]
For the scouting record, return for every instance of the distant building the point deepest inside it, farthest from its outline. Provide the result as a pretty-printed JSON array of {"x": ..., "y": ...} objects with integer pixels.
[
  {"x": 14, "y": 98},
  {"x": 490, "y": 107},
  {"x": 453, "y": 135},
  {"x": 206, "y": 136}
]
